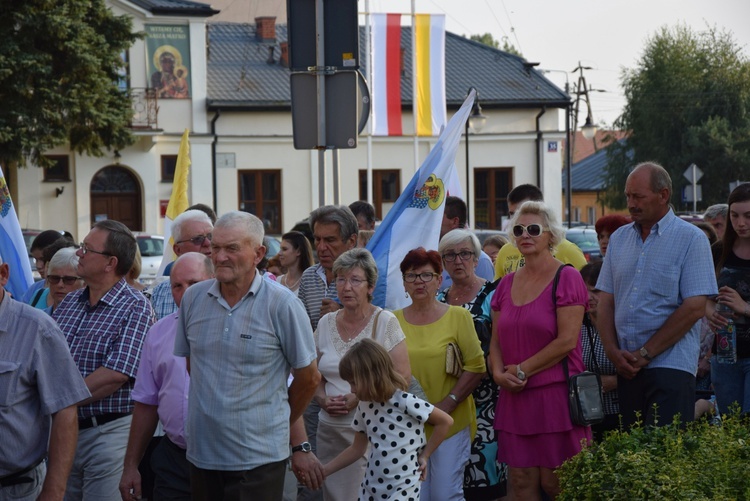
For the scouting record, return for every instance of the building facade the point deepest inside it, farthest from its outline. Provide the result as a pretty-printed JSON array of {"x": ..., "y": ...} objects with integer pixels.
[{"x": 230, "y": 87}]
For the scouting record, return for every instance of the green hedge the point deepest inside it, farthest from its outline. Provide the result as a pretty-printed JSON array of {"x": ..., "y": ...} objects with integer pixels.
[{"x": 703, "y": 461}]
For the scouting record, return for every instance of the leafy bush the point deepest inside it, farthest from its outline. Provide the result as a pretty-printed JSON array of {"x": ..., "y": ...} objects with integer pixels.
[{"x": 702, "y": 461}]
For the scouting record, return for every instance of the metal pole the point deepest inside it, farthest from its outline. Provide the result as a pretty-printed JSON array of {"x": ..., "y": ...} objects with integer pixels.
[
  {"x": 321, "y": 80},
  {"x": 336, "y": 173},
  {"x": 695, "y": 189},
  {"x": 468, "y": 190},
  {"x": 368, "y": 29},
  {"x": 569, "y": 159},
  {"x": 414, "y": 81}
]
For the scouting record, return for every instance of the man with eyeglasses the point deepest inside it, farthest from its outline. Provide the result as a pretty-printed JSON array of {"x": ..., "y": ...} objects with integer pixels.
[
  {"x": 509, "y": 258},
  {"x": 454, "y": 217},
  {"x": 191, "y": 232},
  {"x": 39, "y": 388},
  {"x": 105, "y": 325}
]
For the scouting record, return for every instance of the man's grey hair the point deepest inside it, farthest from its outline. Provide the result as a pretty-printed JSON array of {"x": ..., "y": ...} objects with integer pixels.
[
  {"x": 549, "y": 220},
  {"x": 338, "y": 214},
  {"x": 457, "y": 237},
  {"x": 208, "y": 264},
  {"x": 357, "y": 258},
  {"x": 64, "y": 257},
  {"x": 716, "y": 210},
  {"x": 188, "y": 215},
  {"x": 252, "y": 226}
]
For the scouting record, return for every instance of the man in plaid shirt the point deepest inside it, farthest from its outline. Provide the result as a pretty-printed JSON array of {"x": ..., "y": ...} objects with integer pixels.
[{"x": 105, "y": 325}]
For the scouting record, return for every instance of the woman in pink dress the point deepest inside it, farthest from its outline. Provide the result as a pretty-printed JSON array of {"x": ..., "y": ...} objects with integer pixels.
[{"x": 533, "y": 335}]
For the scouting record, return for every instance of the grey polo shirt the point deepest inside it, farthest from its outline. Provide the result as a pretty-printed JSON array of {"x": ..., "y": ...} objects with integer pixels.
[
  {"x": 37, "y": 378},
  {"x": 240, "y": 359}
]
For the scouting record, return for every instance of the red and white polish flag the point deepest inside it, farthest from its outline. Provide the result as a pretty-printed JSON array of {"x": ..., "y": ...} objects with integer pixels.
[{"x": 386, "y": 75}]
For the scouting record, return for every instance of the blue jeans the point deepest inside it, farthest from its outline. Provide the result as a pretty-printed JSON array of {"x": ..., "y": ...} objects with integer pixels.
[{"x": 731, "y": 384}]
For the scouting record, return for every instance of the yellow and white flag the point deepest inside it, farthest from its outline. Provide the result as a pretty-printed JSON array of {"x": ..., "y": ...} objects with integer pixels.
[
  {"x": 178, "y": 201},
  {"x": 430, "y": 73}
]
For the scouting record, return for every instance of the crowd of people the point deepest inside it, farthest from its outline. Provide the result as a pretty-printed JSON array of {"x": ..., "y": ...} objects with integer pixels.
[{"x": 241, "y": 378}]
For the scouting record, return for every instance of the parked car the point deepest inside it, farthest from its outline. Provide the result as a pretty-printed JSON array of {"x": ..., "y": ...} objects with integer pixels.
[
  {"x": 483, "y": 234},
  {"x": 152, "y": 253},
  {"x": 585, "y": 238},
  {"x": 272, "y": 245},
  {"x": 28, "y": 239}
]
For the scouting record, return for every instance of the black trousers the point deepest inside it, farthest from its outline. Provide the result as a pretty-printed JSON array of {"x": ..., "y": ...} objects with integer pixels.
[
  {"x": 171, "y": 472},
  {"x": 264, "y": 483},
  {"x": 671, "y": 390}
]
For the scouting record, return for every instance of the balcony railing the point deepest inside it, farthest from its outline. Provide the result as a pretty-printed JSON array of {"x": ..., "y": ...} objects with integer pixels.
[{"x": 145, "y": 109}]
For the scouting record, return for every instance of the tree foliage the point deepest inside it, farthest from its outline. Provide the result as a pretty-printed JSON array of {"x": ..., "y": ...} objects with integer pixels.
[
  {"x": 59, "y": 63},
  {"x": 688, "y": 101},
  {"x": 486, "y": 39}
]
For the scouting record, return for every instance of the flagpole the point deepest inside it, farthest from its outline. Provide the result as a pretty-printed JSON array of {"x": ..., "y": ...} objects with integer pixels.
[
  {"x": 414, "y": 80},
  {"x": 368, "y": 31}
]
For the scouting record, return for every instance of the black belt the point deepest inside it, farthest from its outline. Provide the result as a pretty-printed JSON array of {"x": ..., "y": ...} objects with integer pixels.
[
  {"x": 90, "y": 422},
  {"x": 19, "y": 477}
]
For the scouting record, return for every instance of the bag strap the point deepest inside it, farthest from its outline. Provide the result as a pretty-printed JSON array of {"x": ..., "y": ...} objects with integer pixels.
[
  {"x": 477, "y": 309},
  {"x": 37, "y": 295},
  {"x": 554, "y": 305},
  {"x": 375, "y": 323}
]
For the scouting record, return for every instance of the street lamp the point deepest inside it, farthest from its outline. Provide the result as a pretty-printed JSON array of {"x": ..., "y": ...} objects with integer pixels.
[
  {"x": 475, "y": 122},
  {"x": 588, "y": 129}
]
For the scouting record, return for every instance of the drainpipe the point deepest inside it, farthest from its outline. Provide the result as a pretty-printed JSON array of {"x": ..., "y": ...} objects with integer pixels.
[
  {"x": 213, "y": 157},
  {"x": 539, "y": 149}
]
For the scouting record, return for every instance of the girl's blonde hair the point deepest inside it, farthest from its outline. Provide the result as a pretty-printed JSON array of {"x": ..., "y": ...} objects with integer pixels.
[{"x": 371, "y": 369}]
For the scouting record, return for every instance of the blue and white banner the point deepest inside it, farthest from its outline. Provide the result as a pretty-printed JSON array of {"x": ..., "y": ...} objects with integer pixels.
[
  {"x": 12, "y": 248},
  {"x": 415, "y": 219}
]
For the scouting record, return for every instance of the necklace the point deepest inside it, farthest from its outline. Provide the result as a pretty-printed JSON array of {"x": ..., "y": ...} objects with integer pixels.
[
  {"x": 456, "y": 297},
  {"x": 348, "y": 336},
  {"x": 292, "y": 286}
]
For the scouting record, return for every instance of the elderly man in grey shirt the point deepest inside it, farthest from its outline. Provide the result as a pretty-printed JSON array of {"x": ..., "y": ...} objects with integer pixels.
[
  {"x": 40, "y": 386},
  {"x": 241, "y": 335}
]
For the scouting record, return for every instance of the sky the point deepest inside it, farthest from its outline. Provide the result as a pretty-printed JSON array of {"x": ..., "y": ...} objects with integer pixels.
[{"x": 606, "y": 36}]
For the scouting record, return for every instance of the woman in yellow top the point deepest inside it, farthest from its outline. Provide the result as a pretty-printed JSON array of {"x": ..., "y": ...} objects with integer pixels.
[{"x": 429, "y": 326}]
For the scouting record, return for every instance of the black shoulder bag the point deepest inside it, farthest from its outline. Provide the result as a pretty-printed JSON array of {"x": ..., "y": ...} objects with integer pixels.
[{"x": 584, "y": 389}]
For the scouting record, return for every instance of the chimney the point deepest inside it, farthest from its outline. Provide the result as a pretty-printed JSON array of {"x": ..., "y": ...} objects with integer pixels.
[
  {"x": 284, "y": 58},
  {"x": 265, "y": 29}
]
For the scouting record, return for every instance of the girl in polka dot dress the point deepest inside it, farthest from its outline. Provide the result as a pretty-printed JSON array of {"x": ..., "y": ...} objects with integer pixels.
[{"x": 392, "y": 421}]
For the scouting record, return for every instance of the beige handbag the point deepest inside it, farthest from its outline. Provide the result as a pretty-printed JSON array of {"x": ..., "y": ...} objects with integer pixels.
[{"x": 454, "y": 363}]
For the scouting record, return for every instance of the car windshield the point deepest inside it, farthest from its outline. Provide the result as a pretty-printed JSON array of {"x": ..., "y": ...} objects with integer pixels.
[
  {"x": 151, "y": 246},
  {"x": 586, "y": 241}
]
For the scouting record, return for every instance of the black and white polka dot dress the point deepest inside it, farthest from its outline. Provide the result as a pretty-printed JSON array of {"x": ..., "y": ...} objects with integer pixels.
[{"x": 395, "y": 430}]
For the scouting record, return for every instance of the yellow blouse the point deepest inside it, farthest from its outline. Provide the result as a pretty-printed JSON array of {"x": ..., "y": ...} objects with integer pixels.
[{"x": 427, "y": 345}]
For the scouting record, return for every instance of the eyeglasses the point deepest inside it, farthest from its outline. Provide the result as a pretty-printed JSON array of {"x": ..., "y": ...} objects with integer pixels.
[
  {"x": 55, "y": 279},
  {"x": 451, "y": 256},
  {"x": 353, "y": 281},
  {"x": 85, "y": 250},
  {"x": 197, "y": 241},
  {"x": 425, "y": 276},
  {"x": 533, "y": 230}
]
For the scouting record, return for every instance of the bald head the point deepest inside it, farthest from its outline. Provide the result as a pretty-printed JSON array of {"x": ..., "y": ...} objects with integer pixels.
[{"x": 189, "y": 269}]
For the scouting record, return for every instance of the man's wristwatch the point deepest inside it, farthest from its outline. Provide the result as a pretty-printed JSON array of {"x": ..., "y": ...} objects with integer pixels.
[
  {"x": 304, "y": 447},
  {"x": 644, "y": 353},
  {"x": 519, "y": 373}
]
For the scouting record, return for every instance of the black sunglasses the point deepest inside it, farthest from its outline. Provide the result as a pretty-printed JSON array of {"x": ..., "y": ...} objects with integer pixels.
[
  {"x": 55, "y": 279},
  {"x": 197, "y": 241}
]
